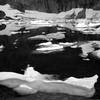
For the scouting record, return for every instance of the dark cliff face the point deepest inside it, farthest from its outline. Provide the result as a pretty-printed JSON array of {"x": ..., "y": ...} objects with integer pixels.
[{"x": 52, "y": 6}]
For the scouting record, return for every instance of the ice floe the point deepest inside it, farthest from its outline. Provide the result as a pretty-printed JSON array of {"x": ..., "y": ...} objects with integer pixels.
[
  {"x": 31, "y": 75},
  {"x": 33, "y": 81}
]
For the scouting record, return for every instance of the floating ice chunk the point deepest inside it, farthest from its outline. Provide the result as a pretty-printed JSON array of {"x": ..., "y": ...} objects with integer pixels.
[
  {"x": 31, "y": 75},
  {"x": 51, "y": 47},
  {"x": 67, "y": 43},
  {"x": 86, "y": 48}
]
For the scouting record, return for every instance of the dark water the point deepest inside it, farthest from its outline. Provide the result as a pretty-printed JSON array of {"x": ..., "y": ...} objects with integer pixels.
[{"x": 19, "y": 50}]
